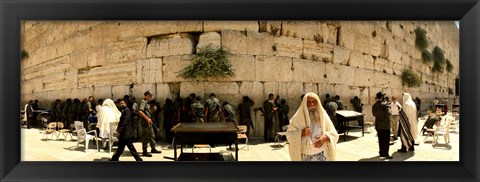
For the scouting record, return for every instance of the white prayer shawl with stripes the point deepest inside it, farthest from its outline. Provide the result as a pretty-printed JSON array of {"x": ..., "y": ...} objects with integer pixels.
[
  {"x": 405, "y": 130},
  {"x": 301, "y": 120},
  {"x": 411, "y": 111}
]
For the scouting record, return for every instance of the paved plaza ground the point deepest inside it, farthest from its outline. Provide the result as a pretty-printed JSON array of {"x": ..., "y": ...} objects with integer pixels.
[{"x": 355, "y": 148}]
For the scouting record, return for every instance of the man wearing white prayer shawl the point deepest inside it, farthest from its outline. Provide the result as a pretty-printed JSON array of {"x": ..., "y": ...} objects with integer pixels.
[
  {"x": 108, "y": 115},
  {"x": 311, "y": 133},
  {"x": 411, "y": 111}
]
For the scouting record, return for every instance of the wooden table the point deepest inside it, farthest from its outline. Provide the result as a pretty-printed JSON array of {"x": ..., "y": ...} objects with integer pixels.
[
  {"x": 204, "y": 133},
  {"x": 346, "y": 116}
]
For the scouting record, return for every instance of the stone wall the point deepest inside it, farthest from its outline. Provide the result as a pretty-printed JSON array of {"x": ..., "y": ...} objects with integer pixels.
[{"x": 110, "y": 59}]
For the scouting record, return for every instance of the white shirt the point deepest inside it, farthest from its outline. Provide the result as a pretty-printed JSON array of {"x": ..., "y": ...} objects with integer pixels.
[
  {"x": 394, "y": 108},
  {"x": 315, "y": 130}
]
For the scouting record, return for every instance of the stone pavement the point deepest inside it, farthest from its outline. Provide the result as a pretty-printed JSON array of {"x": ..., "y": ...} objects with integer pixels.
[{"x": 355, "y": 148}]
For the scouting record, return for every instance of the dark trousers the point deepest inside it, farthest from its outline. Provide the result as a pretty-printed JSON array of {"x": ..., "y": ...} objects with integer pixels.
[
  {"x": 383, "y": 142},
  {"x": 121, "y": 147},
  {"x": 268, "y": 131},
  {"x": 30, "y": 122}
]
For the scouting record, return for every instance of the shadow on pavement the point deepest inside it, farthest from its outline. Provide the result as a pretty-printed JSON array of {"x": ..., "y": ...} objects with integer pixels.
[
  {"x": 101, "y": 159},
  {"x": 376, "y": 158}
]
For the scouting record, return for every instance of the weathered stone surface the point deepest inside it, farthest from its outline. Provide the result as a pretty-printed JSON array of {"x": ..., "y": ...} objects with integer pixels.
[
  {"x": 54, "y": 66},
  {"x": 310, "y": 87},
  {"x": 222, "y": 87},
  {"x": 294, "y": 91},
  {"x": 150, "y": 70},
  {"x": 71, "y": 77},
  {"x": 288, "y": 47},
  {"x": 193, "y": 87},
  {"x": 259, "y": 43},
  {"x": 79, "y": 60},
  {"x": 383, "y": 65},
  {"x": 139, "y": 89},
  {"x": 104, "y": 92},
  {"x": 308, "y": 71},
  {"x": 234, "y": 42},
  {"x": 320, "y": 51},
  {"x": 341, "y": 55},
  {"x": 369, "y": 62},
  {"x": 212, "y": 39},
  {"x": 276, "y": 69},
  {"x": 97, "y": 58},
  {"x": 357, "y": 59},
  {"x": 368, "y": 44},
  {"x": 302, "y": 29},
  {"x": 363, "y": 77},
  {"x": 170, "y": 45},
  {"x": 124, "y": 51},
  {"x": 119, "y": 91},
  {"x": 393, "y": 54},
  {"x": 163, "y": 92},
  {"x": 118, "y": 74},
  {"x": 397, "y": 68},
  {"x": 339, "y": 74},
  {"x": 154, "y": 28},
  {"x": 172, "y": 66},
  {"x": 209, "y": 26},
  {"x": 272, "y": 25}
]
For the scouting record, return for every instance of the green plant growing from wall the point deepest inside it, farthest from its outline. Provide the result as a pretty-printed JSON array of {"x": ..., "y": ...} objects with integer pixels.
[
  {"x": 208, "y": 63},
  {"x": 427, "y": 56},
  {"x": 23, "y": 54},
  {"x": 421, "y": 40},
  {"x": 315, "y": 57},
  {"x": 438, "y": 59},
  {"x": 449, "y": 66},
  {"x": 274, "y": 30},
  {"x": 410, "y": 78},
  {"x": 325, "y": 60},
  {"x": 318, "y": 38}
]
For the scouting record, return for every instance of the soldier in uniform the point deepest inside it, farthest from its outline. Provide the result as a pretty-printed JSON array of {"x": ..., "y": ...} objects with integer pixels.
[
  {"x": 212, "y": 109},
  {"x": 198, "y": 109},
  {"x": 147, "y": 122}
]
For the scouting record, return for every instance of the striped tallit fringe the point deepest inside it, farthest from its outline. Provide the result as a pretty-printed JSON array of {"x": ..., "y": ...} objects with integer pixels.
[{"x": 405, "y": 132}]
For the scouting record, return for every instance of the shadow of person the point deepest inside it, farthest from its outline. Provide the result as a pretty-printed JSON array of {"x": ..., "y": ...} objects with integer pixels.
[
  {"x": 376, "y": 158},
  {"x": 399, "y": 156},
  {"x": 443, "y": 146},
  {"x": 102, "y": 159}
]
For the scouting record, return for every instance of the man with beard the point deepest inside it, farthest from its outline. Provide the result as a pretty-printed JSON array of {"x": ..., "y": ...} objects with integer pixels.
[
  {"x": 127, "y": 132},
  {"x": 382, "y": 124},
  {"x": 311, "y": 133}
]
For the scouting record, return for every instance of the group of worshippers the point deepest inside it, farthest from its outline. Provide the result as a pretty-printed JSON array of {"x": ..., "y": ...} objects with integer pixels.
[{"x": 400, "y": 119}]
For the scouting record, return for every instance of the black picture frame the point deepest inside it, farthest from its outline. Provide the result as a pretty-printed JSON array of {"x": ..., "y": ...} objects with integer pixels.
[{"x": 12, "y": 12}]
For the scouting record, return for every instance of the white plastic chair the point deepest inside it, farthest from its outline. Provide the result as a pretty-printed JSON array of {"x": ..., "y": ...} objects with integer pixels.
[
  {"x": 280, "y": 134},
  {"x": 84, "y": 136},
  {"x": 444, "y": 131}
]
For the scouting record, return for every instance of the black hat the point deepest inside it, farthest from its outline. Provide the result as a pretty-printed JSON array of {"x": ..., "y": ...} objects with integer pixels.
[
  {"x": 147, "y": 93},
  {"x": 380, "y": 95}
]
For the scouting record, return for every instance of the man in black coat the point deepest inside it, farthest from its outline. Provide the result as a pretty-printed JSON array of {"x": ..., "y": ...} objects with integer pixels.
[
  {"x": 269, "y": 109},
  {"x": 127, "y": 132},
  {"x": 382, "y": 124}
]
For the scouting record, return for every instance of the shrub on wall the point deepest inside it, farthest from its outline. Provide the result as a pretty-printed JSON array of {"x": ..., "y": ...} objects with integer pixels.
[
  {"x": 421, "y": 40},
  {"x": 427, "y": 56},
  {"x": 449, "y": 66},
  {"x": 410, "y": 78},
  {"x": 23, "y": 54},
  {"x": 208, "y": 62},
  {"x": 438, "y": 59}
]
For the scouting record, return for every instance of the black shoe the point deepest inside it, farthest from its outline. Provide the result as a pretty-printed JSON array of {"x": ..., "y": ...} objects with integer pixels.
[
  {"x": 146, "y": 154},
  {"x": 402, "y": 150},
  {"x": 388, "y": 157},
  {"x": 156, "y": 151},
  {"x": 411, "y": 149},
  {"x": 112, "y": 160}
]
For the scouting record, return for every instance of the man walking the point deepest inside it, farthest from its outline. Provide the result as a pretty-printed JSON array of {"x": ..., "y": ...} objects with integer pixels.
[
  {"x": 127, "y": 132},
  {"x": 382, "y": 124},
  {"x": 147, "y": 122}
]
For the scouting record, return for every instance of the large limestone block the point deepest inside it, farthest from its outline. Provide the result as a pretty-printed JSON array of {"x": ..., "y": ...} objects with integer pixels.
[
  {"x": 310, "y": 87},
  {"x": 368, "y": 44},
  {"x": 357, "y": 59},
  {"x": 319, "y": 50},
  {"x": 269, "y": 87},
  {"x": 393, "y": 54},
  {"x": 63, "y": 48},
  {"x": 360, "y": 27},
  {"x": 363, "y": 77},
  {"x": 324, "y": 89},
  {"x": 54, "y": 81},
  {"x": 341, "y": 55},
  {"x": 193, "y": 87},
  {"x": 294, "y": 91},
  {"x": 209, "y": 26},
  {"x": 302, "y": 29},
  {"x": 139, "y": 89},
  {"x": 259, "y": 43},
  {"x": 369, "y": 62},
  {"x": 256, "y": 94},
  {"x": 71, "y": 79},
  {"x": 234, "y": 42},
  {"x": 212, "y": 39},
  {"x": 81, "y": 42},
  {"x": 308, "y": 71},
  {"x": 97, "y": 58},
  {"x": 128, "y": 50},
  {"x": 163, "y": 92},
  {"x": 154, "y": 28},
  {"x": 383, "y": 65},
  {"x": 339, "y": 74},
  {"x": 345, "y": 92},
  {"x": 149, "y": 70},
  {"x": 288, "y": 47},
  {"x": 118, "y": 91},
  {"x": 246, "y": 89},
  {"x": 104, "y": 92},
  {"x": 230, "y": 88},
  {"x": 54, "y": 66},
  {"x": 118, "y": 74},
  {"x": 243, "y": 66},
  {"x": 278, "y": 69},
  {"x": 128, "y": 29},
  {"x": 79, "y": 60},
  {"x": 172, "y": 66},
  {"x": 96, "y": 36},
  {"x": 170, "y": 45},
  {"x": 397, "y": 68}
]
